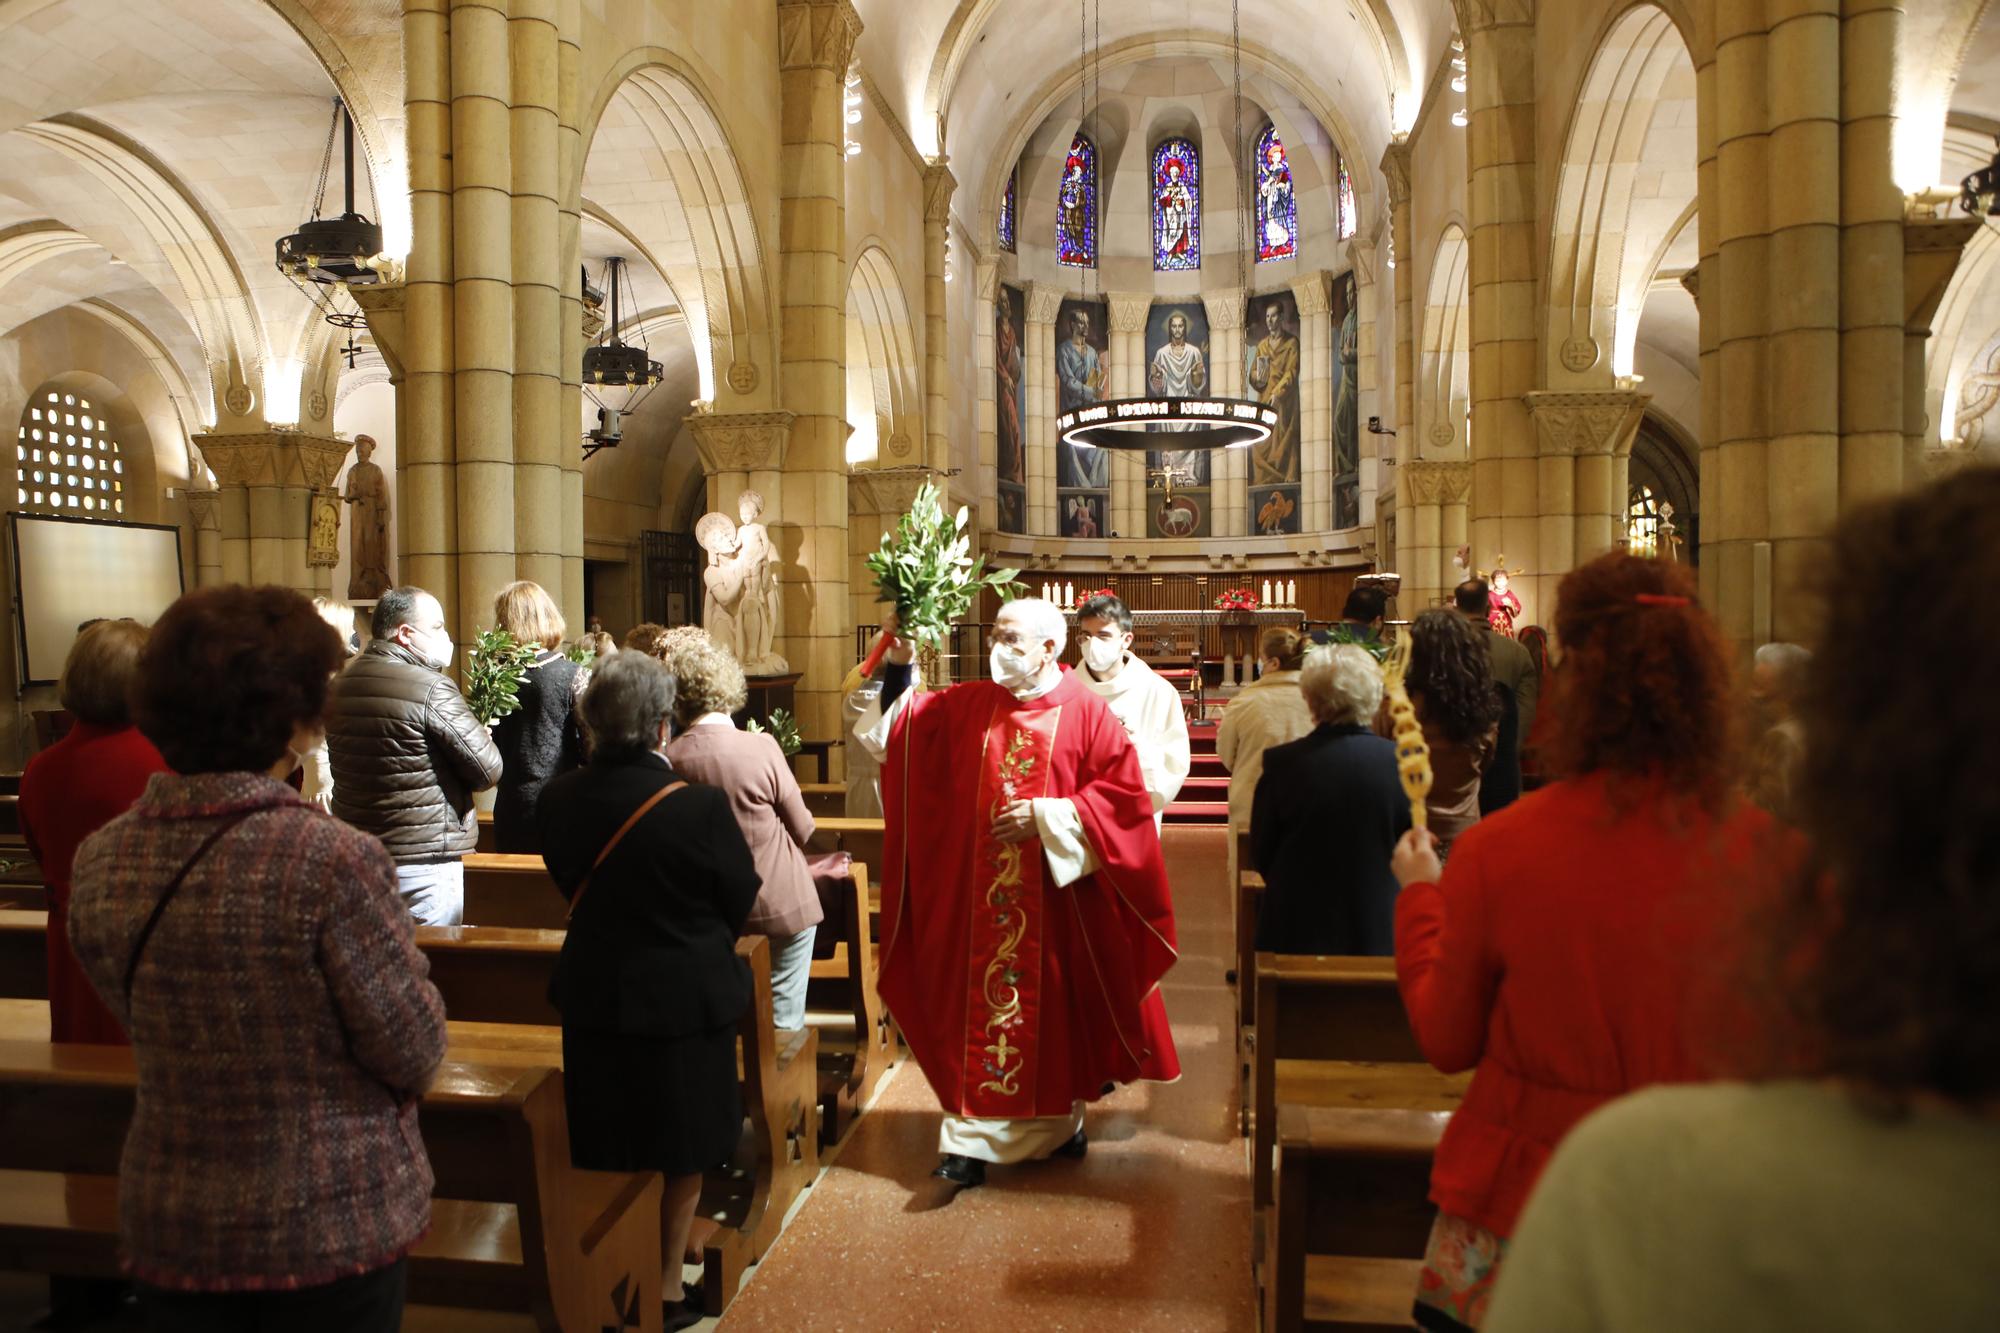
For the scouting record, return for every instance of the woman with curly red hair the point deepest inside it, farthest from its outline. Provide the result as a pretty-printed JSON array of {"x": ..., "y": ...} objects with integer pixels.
[{"x": 1555, "y": 956}]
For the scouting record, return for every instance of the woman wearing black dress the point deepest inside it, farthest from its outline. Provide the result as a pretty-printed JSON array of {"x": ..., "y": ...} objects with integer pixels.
[
  {"x": 649, "y": 985},
  {"x": 541, "y": 738}
]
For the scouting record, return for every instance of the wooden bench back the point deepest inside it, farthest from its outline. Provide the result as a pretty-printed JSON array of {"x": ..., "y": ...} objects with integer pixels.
[{"x": 1332, "y": 1008}]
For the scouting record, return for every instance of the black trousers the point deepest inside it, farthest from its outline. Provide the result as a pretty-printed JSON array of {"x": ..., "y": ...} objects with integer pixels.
[{"x": 367, "y": 1303}]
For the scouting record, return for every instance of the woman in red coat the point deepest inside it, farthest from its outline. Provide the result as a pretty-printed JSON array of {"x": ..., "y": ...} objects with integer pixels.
[
  {"x": 74, "y": 788},
  {"x": 1558, "y": 954}
]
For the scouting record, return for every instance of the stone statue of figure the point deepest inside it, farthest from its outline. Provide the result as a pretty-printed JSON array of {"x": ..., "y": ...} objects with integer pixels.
[
  {"x": 368, "y": 541},
  {"x": 740, "y": 605},
  {"x": 759, "y": 559}
]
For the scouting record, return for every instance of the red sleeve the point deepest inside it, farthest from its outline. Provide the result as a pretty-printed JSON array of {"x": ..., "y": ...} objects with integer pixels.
[{"x": 1446, "y": 965}]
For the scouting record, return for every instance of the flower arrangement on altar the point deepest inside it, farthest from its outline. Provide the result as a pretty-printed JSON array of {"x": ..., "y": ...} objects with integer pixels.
[
  {"x": 1236, "y": 599},
  {"x": 1084, "y": 595}
]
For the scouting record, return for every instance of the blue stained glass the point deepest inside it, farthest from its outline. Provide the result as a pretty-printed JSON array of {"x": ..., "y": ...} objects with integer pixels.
[
  {"x": 1277, "y": 206},
  {"x": 1076, "y": 206},
  {"x": 1176, "y": 206},
  {"x": 1007, "y": 216}
]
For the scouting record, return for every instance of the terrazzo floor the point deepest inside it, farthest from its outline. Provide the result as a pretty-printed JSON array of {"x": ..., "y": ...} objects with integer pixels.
[{"x": 1150, "y": 1232}]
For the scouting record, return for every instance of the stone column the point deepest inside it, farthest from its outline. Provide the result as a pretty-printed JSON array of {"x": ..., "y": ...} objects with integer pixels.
[
  {"x": 1932, "y": 248},
  {"x": 1367, "y": 390},
  {"x": 987, "y": 277},
  {"x": 1229, "y": 469},
  {"x": 939, "y": 185},
  {"x": 1586, "y": 443},
  {"x": 815, "y": 42},
  {"x": 877, "y": 498},
  {"x": 205, "y": 511},
  {"x": 569, "y": 230},
  {"x": 1314, "y": 292},
  {"x": 266, "y": 481},
  {"x": 1430, "y": 523},
  {"x": 539, "y": 282},
  {"x": 1858, "y": 39},
  {"x": 1396, "y": 168},
  {"x": 483, "y": 324},
  {"x": 1038, "y": 360},
  {"x": 1128, "y": 380},
  {"x": 1501, "y": 195},
  {"x": 427, "y": 491}
]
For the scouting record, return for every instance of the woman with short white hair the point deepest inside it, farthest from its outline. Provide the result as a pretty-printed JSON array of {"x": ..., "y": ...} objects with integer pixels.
[{"x": 1327, "y": 813}]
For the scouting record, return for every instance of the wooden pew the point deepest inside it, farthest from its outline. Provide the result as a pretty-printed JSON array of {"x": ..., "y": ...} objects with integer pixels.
[
  {"x": 512, "y": 890},
  {"x": 859, "y": 838},
  {"x": 495, "y": 986},
  {"x": 851, "y": 1065},
  {"x": 825, "y": 800},
  {"x": 513, "y": 1225},
  {"x": 1331, "y": 1032},
  {"x": 495, "y": 983},
  {"x": 1352, "y": 1218}
]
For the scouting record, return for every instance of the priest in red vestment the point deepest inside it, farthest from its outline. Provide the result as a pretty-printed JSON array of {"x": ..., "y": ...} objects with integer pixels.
[{"x": 1026, "y": 921}]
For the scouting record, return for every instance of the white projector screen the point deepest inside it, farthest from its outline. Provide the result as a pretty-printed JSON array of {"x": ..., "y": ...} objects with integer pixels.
[{"x": 67, "y": 571}]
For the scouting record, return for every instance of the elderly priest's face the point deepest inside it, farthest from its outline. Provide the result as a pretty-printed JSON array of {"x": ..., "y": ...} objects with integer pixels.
[{"x": 1023, "y": 627}]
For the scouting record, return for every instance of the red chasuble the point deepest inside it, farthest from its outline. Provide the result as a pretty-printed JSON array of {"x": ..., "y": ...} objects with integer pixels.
[{"x": 1019, "y": 998}]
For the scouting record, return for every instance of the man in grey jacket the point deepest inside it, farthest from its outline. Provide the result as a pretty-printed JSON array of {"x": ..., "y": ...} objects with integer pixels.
[
  {"x": 408, "y": 754},
  {"x": 1521, "y": 685}
]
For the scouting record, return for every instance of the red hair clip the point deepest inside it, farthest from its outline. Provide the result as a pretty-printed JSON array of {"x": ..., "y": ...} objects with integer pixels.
[{"x": 1662, "y": 599}]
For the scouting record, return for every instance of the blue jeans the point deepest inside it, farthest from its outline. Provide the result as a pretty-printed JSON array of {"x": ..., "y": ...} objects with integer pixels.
[
  {"x": 791, "y": 969},
  {"x": 434, "y": 892}
]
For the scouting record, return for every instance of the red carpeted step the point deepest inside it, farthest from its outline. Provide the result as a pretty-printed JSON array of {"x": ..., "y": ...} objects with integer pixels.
[
  {"x": 1201, "y": 787},
  {"x": 1198, "y": 812}
]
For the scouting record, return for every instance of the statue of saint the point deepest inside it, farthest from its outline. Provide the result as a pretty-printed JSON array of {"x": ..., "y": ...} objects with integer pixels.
[
  {"x": 760, "y": 588},
  {"x": 721, "y": 582},
  {"x": 368, "y": 542}
]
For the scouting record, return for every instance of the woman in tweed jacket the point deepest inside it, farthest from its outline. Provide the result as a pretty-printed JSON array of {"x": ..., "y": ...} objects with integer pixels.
[{"x": 282, "y": 1018}]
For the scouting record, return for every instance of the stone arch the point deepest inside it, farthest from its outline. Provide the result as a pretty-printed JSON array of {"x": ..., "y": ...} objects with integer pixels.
[
  {"x": 884, "y": 386},
  {"x": 214, "y": 294},
  {"x": 1444, "y": 372},
  {"x": 682, "y": 193},
  {"x": 1626, "y": 183}
]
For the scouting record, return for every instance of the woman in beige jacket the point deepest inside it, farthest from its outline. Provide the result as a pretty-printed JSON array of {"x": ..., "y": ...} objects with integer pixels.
[
  {"x": 1270, "y": 710},
  {"x": 764, "y": 795}
]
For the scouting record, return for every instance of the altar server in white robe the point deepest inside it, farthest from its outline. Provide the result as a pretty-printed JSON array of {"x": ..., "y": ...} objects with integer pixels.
[{"x": 1148, "y": 705}]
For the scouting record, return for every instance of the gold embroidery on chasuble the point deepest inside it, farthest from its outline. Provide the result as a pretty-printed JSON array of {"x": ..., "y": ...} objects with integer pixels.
[{"x": 1003, "y": 1018}]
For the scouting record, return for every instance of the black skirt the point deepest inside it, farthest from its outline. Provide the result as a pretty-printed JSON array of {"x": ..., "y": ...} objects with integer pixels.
[{"x": 650, "y": 1103}]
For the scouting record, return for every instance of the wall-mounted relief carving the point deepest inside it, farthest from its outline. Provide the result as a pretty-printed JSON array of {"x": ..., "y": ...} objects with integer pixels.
[{"x": 1579, "y": 354}]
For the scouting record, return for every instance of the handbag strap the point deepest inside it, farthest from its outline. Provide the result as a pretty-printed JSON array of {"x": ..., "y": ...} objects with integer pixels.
[
  {"x": 173, "y": 887},
  {"x": 618, "y": 837}
]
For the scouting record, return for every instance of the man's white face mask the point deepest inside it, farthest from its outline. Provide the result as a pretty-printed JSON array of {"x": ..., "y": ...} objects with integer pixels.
[
  {"x": 1101, "y": 655},
  {"x": 1014, "y": 669},
  {"x": 433, "y": 647}
]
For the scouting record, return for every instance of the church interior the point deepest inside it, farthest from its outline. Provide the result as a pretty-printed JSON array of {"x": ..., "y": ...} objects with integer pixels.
[{"x": 678, "y": 311}]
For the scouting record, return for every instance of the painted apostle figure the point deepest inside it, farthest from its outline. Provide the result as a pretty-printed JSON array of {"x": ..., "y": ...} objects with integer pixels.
[
  {"x": 1052, "y": 899},
  {"x": 1274, "y": 371},
  {"x": 1080, "y": 376}
]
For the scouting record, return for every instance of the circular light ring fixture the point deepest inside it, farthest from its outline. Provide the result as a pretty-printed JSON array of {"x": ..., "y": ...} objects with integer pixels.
[
  {"x": 620, "y": 365},
  {"x": 332, "y": 250},
  {"x": 1204, "y": 423}
]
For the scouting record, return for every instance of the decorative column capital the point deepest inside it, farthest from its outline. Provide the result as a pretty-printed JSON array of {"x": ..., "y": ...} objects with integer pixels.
[
  {"x": 1362, "y": 252},
  {"x": 1314, "y": 292},
  {"x": 1691, "y": 283},
  {"x": 382, "y": 306},
  {"x": 817, "y": 34},
  {"x": 889, "y": 491},
  {"x": 1932, "y": 248},
  {"x": 1225, "y": 308},
  {"x": 939, "y": 186},
  {"x": 1396, "y": 166},
  {"x": 1044, "y": 300},
  {"x": 1436, "y": 483},
  {"x": 274, "y": 458},
  {"x": 205, "y": 508},
  {"x": 741, "y": 441},
  {"x": 986, "y": 279},
  {"x": 1129, "y": 311},
  {"x": 1598, "y": 422},
  {"x": 1480, "y": 15}
]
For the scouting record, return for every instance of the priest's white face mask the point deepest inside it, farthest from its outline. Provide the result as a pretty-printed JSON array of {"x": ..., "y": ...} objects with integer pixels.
[{"x": 1019, "y": 656}]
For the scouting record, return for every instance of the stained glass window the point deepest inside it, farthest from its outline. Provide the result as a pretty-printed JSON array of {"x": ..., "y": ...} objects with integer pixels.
[
  {"x": 1347, "y": 219},
  {"x": 1007, "y": 214},
  {"x": 1076, "y": 206},
  {"x": 1176, "y": 206},
  {"x": 1277, "y": 209}
]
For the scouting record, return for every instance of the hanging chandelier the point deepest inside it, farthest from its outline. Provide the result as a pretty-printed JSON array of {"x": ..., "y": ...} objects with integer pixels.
[
  {"x": 1138, "y": 424},
  {"x": 617, "y": 376},
  {"x": 1979, "y": 193},
  {"x": 326, "y": 256}
]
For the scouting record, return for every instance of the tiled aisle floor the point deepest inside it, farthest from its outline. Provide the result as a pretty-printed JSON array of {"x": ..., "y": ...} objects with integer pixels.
[{"x": 1150, "y": 1232}]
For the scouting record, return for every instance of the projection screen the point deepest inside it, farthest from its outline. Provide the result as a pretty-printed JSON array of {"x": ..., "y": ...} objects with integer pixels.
[{"x": 69, "y": 570}]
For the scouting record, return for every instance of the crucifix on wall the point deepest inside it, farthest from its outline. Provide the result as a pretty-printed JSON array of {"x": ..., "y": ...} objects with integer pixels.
[{"x": 1170, "y": 476}]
